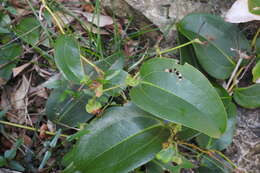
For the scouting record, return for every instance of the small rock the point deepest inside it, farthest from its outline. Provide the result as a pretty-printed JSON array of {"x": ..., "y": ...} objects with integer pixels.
[{"x": 165, "y": 13}]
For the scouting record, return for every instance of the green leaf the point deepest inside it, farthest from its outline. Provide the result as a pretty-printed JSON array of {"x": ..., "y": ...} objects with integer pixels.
[
  {"x": 256, "y": 72},
  {"x": 257, "y": 46},
  {"x": 67, "y": 58},
  {"x": 226, "y": 139},
  {"x": 225, "y": 97},
  {"x": 93, "y": 106},
  {"x": 115, "y": 78},
  {"x": 5, "y": 20},
  {"x": 248, "y": 97},
  {"x": 190, "y": 100},
  {"x": 188, "y": 134},
  {"x": 185, "y": 163},
  {"x": 152, "y": 167},
  {"x": 16, "y": 166},
  {"x": 10, "y": 154},
  {"x": 130, "y": 81},
  {"x": 2, "y": 161},
  {"x": 77, "y": 135},
  {"x": 208, "y": 165},
  {"x": 165, "y": 155},
  {"x": 28, "y": 30},
  {"x": 7, "y": 57},
  {"x": 123, "y": 139},
  {"x": 2, "y": 113},
  {"x": 187, "y": 53},
  {"x": 113, "y": 62},
  {"x": 161, "y": 167},
  {"x": 69, "y": 110},
  {"x": 4, "y": 30},
  {"x": 215, "y": 56},
  {"x": 254, "y": 6}
]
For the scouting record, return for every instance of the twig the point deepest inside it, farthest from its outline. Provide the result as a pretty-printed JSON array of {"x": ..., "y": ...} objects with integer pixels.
[
  {"x": 53, "y": 16},
  {"x": 234, "y": 73},
  {"x": 182, "y": 45},
  {"x": 30, "y": 128},
  {"x": 253, "y": 43}
]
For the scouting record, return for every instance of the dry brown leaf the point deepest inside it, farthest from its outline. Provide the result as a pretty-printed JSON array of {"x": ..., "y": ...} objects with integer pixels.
[
  {"x": 19, "y": 100},
  {"x": 99, "y": 20},
  {"x": 88, "y": 8},
  {"x": 19, "y": 69},
  {"x": 64, "y": 18},
  {"x": 27, "y": 141},
  {"x": 40, "y": 91},
  {"x": 2, "y": 81},
  {"x": 5, "y": 102},
  {"x": 51, "y": 126},
  {"x": 43, "y": 128}
]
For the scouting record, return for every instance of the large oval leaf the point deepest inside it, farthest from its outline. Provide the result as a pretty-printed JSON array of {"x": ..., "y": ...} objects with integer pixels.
[
  {"x": 191, "y": 101},
  {"x": 248, "y": 97},
  {"x": 187, "y": 134},
  {"x": 215, "y": 56},
  {"x": 122, "y": 140},
  {"x": 67, "y": 58}
]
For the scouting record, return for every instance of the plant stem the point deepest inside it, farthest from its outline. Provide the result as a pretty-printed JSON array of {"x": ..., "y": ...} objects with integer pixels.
[
  {"x": 253, "y": 43},
  {"x": 234, "y": 73},
  {"x": 225, "y": 157},
  {"x": 236, "y": 81},
  {"x": 93, "y": 65},
  {"x": 29, "y": 128},
  {"x": 53, "y": 16},
  {"x": 182, "y": 45},
  {"x": 114, "y": 87}
]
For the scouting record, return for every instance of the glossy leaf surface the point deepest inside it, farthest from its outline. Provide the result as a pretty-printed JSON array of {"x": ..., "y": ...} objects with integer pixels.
[
  {"x": 248, "y": 97},
  {"x": 187, "y": 53},
  {"x": 67, "y": 58},
  {"x": 215, "y": 56},
  {"x": 123, "y": 139},
  {"x": 187, "y": 133},
  {"x": 190, "y": 100},
  {"x": 226, "y": 139}
]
